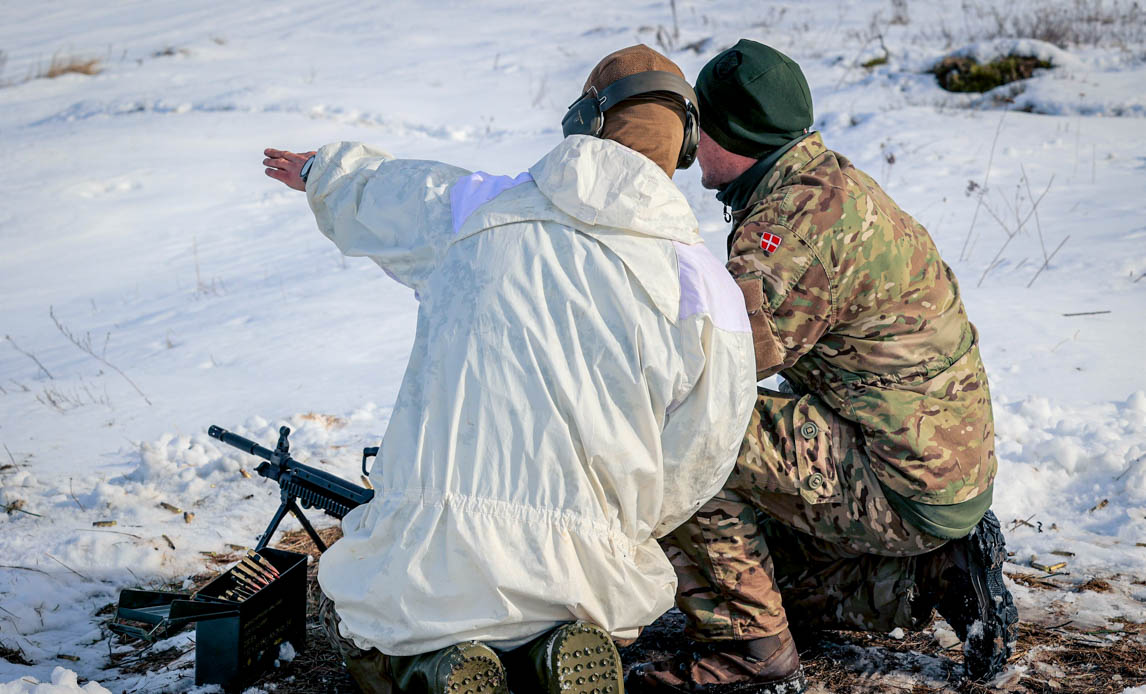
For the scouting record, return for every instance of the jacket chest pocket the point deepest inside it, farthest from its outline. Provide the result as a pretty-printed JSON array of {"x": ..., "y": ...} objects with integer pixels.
[{"x": 817, "y": 440}]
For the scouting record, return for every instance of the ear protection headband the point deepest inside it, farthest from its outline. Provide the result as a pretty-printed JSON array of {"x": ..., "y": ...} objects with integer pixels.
[{"x": 586, "y": 116}]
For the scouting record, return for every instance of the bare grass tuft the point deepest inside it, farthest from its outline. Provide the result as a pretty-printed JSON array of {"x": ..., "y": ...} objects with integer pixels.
[
  {"x": 69, "y": 64},
  {"x": 1081, "y": 22},
  {"x": 1096, "y": 585},
  {"x": 170, "y": 51},
  {"x": 1064, "y": 23},
  {"x": 84, "y": 344},
  {"x": 59, "y": 65},
  {"x": 961, "y": 74},
  {"x": 899, "y": 14}
]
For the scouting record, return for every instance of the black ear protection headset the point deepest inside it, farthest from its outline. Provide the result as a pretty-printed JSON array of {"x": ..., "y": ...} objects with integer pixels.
[{"x": 586, "y": 116}]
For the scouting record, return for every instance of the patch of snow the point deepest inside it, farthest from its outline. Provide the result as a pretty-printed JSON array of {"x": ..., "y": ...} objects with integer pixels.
[
  {"x": 944, "y": 635},
  {"x": 988, "y": 51},
  {"x": 286, "y": 653},
  {"x": 63, "y": 681},
  {"x": 975, "y": 630},
  {"x": 1009, "y": 677}
]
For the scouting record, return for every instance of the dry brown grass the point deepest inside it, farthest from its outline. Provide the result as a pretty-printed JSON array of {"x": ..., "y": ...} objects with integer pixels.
[
  {"x": 1065, "y": 23},
  {"x": 59, "y": 65},
  {"x": 1058, "y": 660},
  {"x": 1096, "y": 585},
  {"x": 69, "y": 64},
  {"x": 1033, "y": 581}
]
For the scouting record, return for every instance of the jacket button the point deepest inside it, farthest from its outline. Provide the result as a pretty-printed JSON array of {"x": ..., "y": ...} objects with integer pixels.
[
  {"x": 809, "y": 430},
  {"x": 815, "y": 480}
]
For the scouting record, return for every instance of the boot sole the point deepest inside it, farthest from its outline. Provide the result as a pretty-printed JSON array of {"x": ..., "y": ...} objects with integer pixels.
[
  {"x": 476, "y": 674},
  {"x": 582, "y": 659},
  {"x": 792, "y": 684},
  {"x": 989, "y": 642}
]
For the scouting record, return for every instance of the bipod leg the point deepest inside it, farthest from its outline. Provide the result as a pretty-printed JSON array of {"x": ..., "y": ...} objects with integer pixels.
[
  {"x": 270, "y": 531},
  {"x": 307, "y": 526}
]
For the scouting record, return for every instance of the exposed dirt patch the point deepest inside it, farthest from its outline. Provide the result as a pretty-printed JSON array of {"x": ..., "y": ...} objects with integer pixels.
[
  {"x": 1057, "y": 659},
  {"x": 14, "y": 655},
  {"x": 968, "y": 75},
  {"x": 1096, "y": 585},
  {"x": 328, "y": 421}
]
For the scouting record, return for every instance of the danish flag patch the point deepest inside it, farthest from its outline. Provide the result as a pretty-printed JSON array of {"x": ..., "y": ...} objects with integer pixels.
[{"x": 770, "y": 242}]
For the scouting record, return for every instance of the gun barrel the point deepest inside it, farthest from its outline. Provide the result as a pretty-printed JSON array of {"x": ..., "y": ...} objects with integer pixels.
[
  {"x": 313, "y": 487},
  {"x": 243, "y": 444}
]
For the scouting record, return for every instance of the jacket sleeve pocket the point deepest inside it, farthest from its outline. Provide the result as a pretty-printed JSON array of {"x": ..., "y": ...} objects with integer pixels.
[{"x": 769, "y": 352}]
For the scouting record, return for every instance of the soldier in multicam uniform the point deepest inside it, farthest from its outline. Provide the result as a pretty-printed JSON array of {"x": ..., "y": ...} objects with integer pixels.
[{"x": 860, "y": 497}]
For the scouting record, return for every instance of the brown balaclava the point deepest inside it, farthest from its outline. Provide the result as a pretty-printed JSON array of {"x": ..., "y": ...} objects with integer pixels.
[{"x": 651, "y": 124}]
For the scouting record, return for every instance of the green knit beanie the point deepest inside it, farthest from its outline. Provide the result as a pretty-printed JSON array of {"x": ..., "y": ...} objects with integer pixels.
[{"x": 753, "y": 99}]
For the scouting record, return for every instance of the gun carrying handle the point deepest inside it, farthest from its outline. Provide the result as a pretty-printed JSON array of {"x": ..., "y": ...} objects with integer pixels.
[{"x": 370, "y": 452}]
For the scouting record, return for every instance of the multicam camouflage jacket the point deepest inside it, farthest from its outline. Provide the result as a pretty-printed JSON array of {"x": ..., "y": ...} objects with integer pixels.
[{"x": 850, "y": 301}]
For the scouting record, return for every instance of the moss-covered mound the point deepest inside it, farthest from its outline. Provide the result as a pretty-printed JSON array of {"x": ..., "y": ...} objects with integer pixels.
[{"x": 957, "y": 74}]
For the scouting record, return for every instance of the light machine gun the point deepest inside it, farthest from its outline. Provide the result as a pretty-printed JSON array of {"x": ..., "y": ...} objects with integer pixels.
[
  {"x": 243, "y": 616},
  {"x": 299, "y": 484}
]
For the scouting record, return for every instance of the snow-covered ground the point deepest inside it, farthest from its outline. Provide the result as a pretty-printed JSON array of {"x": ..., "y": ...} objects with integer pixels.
[{"x": 154, "y": 282}]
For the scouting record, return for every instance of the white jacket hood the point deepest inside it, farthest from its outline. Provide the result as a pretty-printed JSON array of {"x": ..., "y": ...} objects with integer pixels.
[
  {"x": 601, "y": 183},
  {"x": 612, "y": 193}
]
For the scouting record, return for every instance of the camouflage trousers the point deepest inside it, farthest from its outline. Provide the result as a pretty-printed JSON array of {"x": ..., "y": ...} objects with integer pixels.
[{"x": 801, "y": 536}]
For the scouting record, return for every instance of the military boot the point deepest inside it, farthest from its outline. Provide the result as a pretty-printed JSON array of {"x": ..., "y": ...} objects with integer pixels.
[
  {"x": 770, "y": 665},
  {"x": 965, "y": 580},
  {"x": 466, "y": 668},
  {"x": 577, "y": 658}
]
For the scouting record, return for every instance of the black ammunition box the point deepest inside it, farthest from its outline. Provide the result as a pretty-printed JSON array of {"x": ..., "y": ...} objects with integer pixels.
[{"x": 235, "y": 641}]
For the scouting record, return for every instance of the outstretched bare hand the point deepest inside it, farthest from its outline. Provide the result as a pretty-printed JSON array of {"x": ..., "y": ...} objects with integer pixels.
[{"x": 284, "y": 166}]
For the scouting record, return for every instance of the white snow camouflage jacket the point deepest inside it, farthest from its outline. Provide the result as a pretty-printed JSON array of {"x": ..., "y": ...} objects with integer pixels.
[{"x": 580, "y": 382}]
